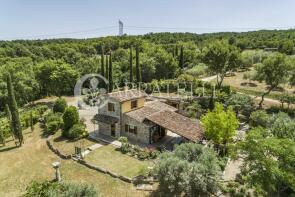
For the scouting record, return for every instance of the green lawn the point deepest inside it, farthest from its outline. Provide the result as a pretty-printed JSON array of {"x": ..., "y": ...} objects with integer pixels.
[
  {"x": 20, "y": 166},
  {"x": 67, "y": 146},
  {"x": 111, "y": 159}
]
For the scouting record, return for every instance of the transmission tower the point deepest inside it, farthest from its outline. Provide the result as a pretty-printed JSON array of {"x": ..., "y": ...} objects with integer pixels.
[{"x": 120, "y": 28}]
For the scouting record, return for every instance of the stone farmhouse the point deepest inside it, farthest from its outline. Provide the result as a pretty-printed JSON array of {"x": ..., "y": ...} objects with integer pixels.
[{"x": 129, "y": 113}]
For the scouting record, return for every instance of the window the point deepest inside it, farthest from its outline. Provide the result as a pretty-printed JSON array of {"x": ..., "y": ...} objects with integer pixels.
[
  {"x": 126, "y": 128},
  {"x": 111, "y": 106},
  {"x": 131, "y": 129},
  {"x": 133, "y": 104}
]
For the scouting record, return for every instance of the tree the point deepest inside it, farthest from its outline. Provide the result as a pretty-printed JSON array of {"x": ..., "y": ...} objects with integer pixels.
[
  {"x": 130, "y": 66},
  {"x": 181, "y": 58},
  {"x": 2, "y": 137},
  {"x": 220, "y": 126},
  {"x": 15, "y": 121},
  {"x": 269, "y": 163},
  {"x": 102, "y": 61},
  {"x": 31, "y": 121},
  {"x": 241, "y": 104},
  {"x": 9, "y": 118},
  {"x": 107, "y": 67},
  {"x": 70, "y": 117},
  {"x": 273, "y": 71},
  {"x": 287, "y": 47},
  {"x": 221, "y": 58},
  {"x": 138, "y": 70},
  {"x": 110, "y": 73},
  {"x": 59, "y": 105},
  {"x": 191, "y": 169}
]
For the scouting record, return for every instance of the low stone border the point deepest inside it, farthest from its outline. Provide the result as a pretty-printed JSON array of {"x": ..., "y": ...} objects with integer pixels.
[
  {"x": 105, "y": 171},
  {"x": 55, "y": 150},
  {"x": 88, "y": 165}
]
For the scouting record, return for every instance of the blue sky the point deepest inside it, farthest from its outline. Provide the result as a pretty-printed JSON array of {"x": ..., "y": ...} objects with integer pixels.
[{"x": 31, "y": 19}]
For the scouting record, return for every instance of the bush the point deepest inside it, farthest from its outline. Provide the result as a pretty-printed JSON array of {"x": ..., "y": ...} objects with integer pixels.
[
  {"x": 54, "y": 189},
  {"x": 70, "y": 117},
  {"x": 125, "y": 146},
  {"x": 60, "y": 105},
  {"x": 142, "y": 155},
  {"x": 52, "y": 127},
  {"x": 259, "y": 118},
  {"x": 53, "y": 122},
  {"x": 77, "y": 131}
]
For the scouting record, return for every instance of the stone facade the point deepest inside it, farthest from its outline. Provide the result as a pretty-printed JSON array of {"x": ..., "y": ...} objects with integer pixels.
[
  {"x": 105, "y": 128},
  {"x": 143, "y": 130}
]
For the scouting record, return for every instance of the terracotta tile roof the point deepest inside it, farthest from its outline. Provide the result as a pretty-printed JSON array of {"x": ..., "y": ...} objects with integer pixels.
[
  {"x": 150, "y": 108},
  {"x": 178, "y": 124},
  {"x": 127, "y": 95}
]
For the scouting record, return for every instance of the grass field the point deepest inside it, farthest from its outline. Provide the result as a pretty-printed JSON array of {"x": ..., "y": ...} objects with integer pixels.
[
  {"x": 109, "y": 158},
  {"x": 20, "y": 166},
  {"x": 67, "y": 146},
  {"x": 256, "y": 88}
]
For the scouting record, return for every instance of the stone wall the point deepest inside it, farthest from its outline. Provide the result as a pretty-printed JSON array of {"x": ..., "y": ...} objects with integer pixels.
[
  {"x": 142, "y": 130},
  {"x": 55, "y": 150}
]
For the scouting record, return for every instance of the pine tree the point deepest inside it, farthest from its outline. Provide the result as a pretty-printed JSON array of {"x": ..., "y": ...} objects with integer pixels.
[
  {"x": 107, "y": 68},
  {"x": 181, "y": 58},
  {"x": 131, "y": 65},
  {"x": 110, "y": 73},
  {"x": 102, "y": 61},
  {"x": 16, "y": 124},
  {"x": 138, "y": 77}
]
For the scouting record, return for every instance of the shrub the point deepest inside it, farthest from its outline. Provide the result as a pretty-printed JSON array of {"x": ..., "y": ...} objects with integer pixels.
[
  {"x": 70, "y": 117},
  {"x": 54, "y": 189},
  {"x": 53, "y": 122},
  {"x": 259, "y": 118},
  {"x": 52, "y": 127},
  {"x": 60, "y": 105},
  {"x": 142, "y": 155},
  {"x": 77, "y": 131},
  {"x": 125, "y": 146}
]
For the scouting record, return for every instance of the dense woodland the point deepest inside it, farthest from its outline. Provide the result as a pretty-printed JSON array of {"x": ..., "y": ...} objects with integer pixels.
[{"x": 50, "y": 67}]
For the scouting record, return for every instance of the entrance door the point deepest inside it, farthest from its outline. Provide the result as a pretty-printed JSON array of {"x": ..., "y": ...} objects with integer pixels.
[{"x": 113, "y": 130}]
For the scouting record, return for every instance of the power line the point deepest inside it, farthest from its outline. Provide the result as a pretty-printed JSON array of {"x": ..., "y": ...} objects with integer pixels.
[
  {"x": 206, "y": 28},
  {"x": 63, "y": 33},
  {"x": 151, "y": 28}
]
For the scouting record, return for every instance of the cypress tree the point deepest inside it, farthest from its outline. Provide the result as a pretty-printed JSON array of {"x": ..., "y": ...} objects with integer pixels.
[
  {"x": 138, "y": 77},
  {"x": 176, "y": 50},
  {"x": 107, "y": 68},
  {"x": 130, "y": 66},
  {"x": 110, "y": 73},
  {"x": 8, "y": 115},
  {"x": 31, "y": 121},
  {"x": 16, "y": 124},
  {"x": 2, "y": 138},
  {"x": 102, "y": 61},
  {"x": 181, "y": 58}
]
